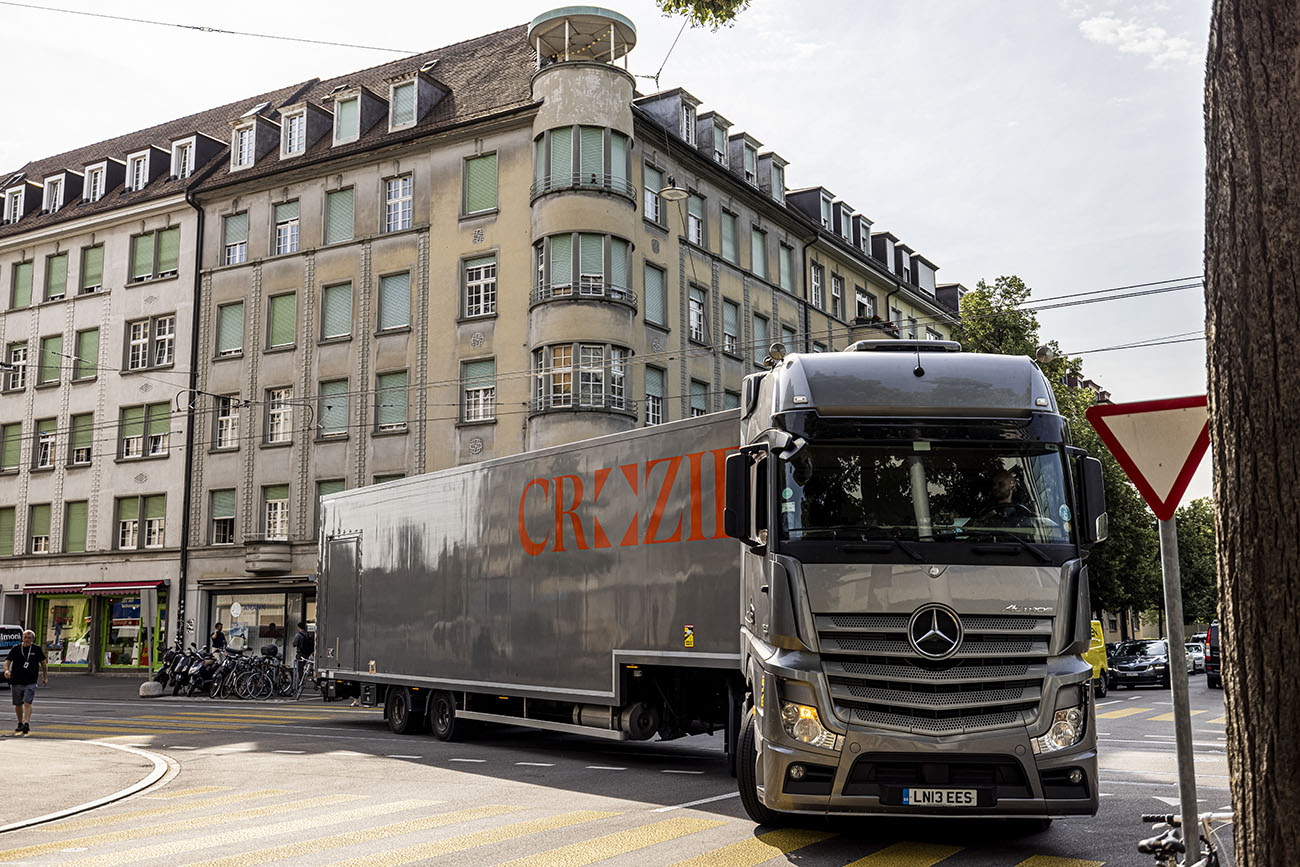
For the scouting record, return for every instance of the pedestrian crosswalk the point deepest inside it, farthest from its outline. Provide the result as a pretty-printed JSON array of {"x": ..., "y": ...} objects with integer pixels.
[
  {"x": 158, "y": 721},
  {"x": 221, "y": 827}
]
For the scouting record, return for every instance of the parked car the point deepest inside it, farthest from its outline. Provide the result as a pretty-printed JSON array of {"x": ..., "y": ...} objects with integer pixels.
[
  {"x": 1143, "y": 662},
  {"x": 1096, "y": 656},
  {"x": 1197, "y": 652},
  {"x": 1213, "y": 656},
  {"x": 10, "y": 636}
]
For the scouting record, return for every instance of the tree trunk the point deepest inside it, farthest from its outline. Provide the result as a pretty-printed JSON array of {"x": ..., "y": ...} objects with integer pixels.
[{"x": 1252, "y": 271}]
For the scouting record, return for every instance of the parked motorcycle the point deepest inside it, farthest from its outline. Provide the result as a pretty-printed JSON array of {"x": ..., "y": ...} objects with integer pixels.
[
  {"x": 164, "y": 673},
  {"x": 181, "y": 666},
  {"x": 202, "y": 673}
]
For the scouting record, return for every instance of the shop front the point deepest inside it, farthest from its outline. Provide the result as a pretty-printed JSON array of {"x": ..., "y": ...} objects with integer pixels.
[
  {"x": 253, "y": 618},
  {"x": 100, "y": 626}
]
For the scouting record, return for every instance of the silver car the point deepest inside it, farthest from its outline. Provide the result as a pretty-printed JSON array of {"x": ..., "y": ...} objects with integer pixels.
[{"x": 1196, "y": 653}]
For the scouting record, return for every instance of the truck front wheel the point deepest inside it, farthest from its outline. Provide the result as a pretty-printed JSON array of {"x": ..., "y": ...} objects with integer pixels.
[
  {"x": 747, "y": 777},
  {"x": 442, "y": 717},
  {"x": 403, "y": 718}
]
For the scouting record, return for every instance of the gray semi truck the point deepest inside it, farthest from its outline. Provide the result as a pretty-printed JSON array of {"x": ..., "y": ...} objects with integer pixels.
[{"x": 869, "y": 580}]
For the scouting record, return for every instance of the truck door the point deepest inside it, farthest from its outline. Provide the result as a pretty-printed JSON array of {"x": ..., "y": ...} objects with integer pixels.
[{"x": 341, "y": 583}]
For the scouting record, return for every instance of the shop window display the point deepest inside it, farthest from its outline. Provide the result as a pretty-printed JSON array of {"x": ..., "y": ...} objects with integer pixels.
[{"x": 66, "y": 630}]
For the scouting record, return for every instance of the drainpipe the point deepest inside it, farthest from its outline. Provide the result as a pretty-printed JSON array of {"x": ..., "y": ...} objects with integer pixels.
[
  {"x": 807, "y": 302},
  {"x": 184, "y": 569},
  {"x": 897, "y": 289}
]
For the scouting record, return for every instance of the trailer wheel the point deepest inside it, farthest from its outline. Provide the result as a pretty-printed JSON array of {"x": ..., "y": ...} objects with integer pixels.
[
  {"x": 747, "y": 777},
  {"x": 403, "y": 718},
  {"x": 442, "y": 717}
]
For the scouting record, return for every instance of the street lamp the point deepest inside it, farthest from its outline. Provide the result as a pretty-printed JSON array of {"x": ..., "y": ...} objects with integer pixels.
[{"x": 672, "y": 192}]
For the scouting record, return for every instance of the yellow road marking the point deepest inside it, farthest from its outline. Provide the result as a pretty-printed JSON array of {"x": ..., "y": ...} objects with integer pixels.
[
  {"x": 1053, "y": 861},
  {"x": 68, "y": 730},
  {"x": 189, "y": 725},
  {"x": 618, "y": 843},
  {"x": 169, "y": 809},
  {"x": 1221, "y": 720},
  {"x": 225, "y": 718},
  {"x": 150, "y": 830},
  {"x": 197, "y": 790},
  {"x": 756, "y": 850},
  {"x": 352, "y": 838},
  {"x": 462, "y": 842},
  {"x": 1123, "y": 712},
  {"x": 1169, "y": 717},
  {"x": 907, "y": 855}
]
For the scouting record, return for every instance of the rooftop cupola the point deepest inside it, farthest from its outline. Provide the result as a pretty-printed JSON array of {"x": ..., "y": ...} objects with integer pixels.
[{"x": 581, "y": 33}]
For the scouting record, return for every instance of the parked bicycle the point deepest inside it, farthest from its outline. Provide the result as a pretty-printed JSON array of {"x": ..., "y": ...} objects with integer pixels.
[
  {"x": 306, "y": 677},
  {"x": 1168, "y": 844}
]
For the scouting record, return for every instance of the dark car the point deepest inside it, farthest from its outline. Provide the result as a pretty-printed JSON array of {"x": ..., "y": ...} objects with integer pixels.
[
  {"x": 1213, "y": 656},
  {"x": 1138, "y": 663}
]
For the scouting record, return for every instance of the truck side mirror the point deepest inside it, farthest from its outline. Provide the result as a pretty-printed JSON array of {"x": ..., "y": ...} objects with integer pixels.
[
  {"x": 735, "y": 510},
  {"x": 1095, "y": 526}
]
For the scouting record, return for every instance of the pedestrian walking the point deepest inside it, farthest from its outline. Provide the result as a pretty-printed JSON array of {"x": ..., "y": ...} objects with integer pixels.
[
  {"x": 21, "y": 665},
  {"x": 303, "y": 646},
  {"x": 218, "y": 639}
]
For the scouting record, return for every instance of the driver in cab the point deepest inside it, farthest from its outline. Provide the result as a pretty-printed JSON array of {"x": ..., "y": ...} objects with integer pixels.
[{"x": 1005, "y": 510}]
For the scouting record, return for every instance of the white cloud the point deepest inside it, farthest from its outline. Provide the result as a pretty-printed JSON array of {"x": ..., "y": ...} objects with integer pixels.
[{"x": 1138, "y": 37}]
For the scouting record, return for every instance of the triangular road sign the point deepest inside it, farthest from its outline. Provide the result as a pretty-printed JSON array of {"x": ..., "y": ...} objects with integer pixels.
[{"x": 1159, "y": 443}]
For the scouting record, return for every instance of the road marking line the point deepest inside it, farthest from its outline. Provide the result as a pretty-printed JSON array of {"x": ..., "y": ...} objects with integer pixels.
[
  {"x": 681, "y": 772},
  {"x": 290, "y": 752},
  {"x": 536, "y": 764},
  {"x": 470, "y": 761},
  {"x": 462, "y": 842},
  {"x": 1052, "y": 861},
  {"x": 618, "y": 843},
  {"x": 694, "y": 803},
  {"x": 756, "y": 850},
  {"x": 1169, "y": 717},
  {"x": 170, "y": 809},
  {"x": 1219, "y": 720},
  {"x": 178, "y": 747},
  {"x": 352, "y": 838},
  {"x": 907, "y": 855},
  {"x": 1112, "y": 701},
  {"x": 1123, "y": 712},
  {"x": 197, "y": 790},
  {"x": 400, "y": 756},
  {"x": 604, "y": 768}
]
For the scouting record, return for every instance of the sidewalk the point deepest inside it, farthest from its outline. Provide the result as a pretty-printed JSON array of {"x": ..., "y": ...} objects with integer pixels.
[{"x": 54, "y": 775}]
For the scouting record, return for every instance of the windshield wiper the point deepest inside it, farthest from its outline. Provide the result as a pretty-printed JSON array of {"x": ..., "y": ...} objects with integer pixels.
[
  {"x": 885, "y": 544},
  {"x": 998, "y": 546}
]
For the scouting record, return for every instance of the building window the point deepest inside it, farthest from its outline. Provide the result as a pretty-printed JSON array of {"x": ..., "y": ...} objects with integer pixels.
[
  {"x": 13, "y": 205},
  {"x": 699, "y": 398},
  {"x": 324, "y": 488},
  {"x": 56, "y": 277},
  {"x": 698, "y": 310},
  {"x": 778, "y": 183},
  {"x": 478, "y": 390},
  {"x": 275, "y": 511},
  {"x": 347, "y": 120},
  {"x": 554, "y": 372},
  {"x": 846, "y": 223},
  {"x": 151, "y": 342},
  {"x": 86, "y": 347},
  {"x": 74, "y": 527},
  {"x": 145, "y": 431},
  {"x": 40, "y": 529},
  {"x": 20, "y": 294},
  {"x": 601, "y": 376},
  {"x": 43, "y": 451},
  {"x": 53, "y": 194},
  {"x": 397, "y": 204},
  {"x": 818, "y": 346},
  {"x": 183, "y": 159},
  {"x": 223, "y": 517},
  {"x": 81, "y": 439},
  {"x": 286, "y": 228},
  {"x": 390, "y": 401},
  {"x": 226, "y": 430},
  {"x": 931, "y": 334},
  {"x": 653, "y": 182},
  {"x": 751, "y": 165},
  {"x": 282, "y": 320},
  {"x": 332, "y": 411},
  {"x": 911, "y": 328},
  {"x": 16, "y": 378},
  {"x": 155, "y": 255},
  {"x": 11, "y": 446},
  {"x": 837, "y": 296},
  {"x": 591, "y": 374},
  {"x": 555, "y": 152},
  {"x": 51, "y": 361},
  {"x": 827, "y": 218},
  {"x": 731, "y": 400},
  {"x": 815, "y": 284},
  {"x": 137, "y": 171},
  {"x": 720, "y": 146},
  {"x": 654, "y": 396},
  {"x": 480, "y": 184},
  {"x": 92, "y": 270},
  {"x": 230, "y": 329},
  {"x": 295, "y": 135},
  {"x": 339, "y": 216},
  {"x": 896, "y": 316},
  {"x": 402, "y": 99},
  {"x": 656, "y": 295},
  {"x": 730, "y": 327},
  {"x": 481, "y": 286},
  {"x": 695, "y": 220},
  {"x": 788, "y": 339},
  {"x": 242, "y": 148},
  {"x": 234, "y": 232},
  {"x": 864, "y": 303},
  {"x": 760, "y": 339},
  {"x": 94, "y": 184},
  {"x": 336, "y": 311},
  {"x": 758, "y": 252},
  {"x": 279, "y": 415},
  {"x": 688, "y": 123},
  {"x": 395, "y": 301},
  {"x": 729, "y": 238}
]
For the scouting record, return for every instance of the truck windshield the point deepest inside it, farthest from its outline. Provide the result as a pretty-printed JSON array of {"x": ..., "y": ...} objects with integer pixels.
[{"x": 926, "y": 491}]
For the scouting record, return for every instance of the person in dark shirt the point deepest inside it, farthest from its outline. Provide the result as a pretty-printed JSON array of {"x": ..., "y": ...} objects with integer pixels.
[
  {"x": 304, "y": 646},
  {"x": 21, "y": 665},
  {"x": 218, "y": 639}
]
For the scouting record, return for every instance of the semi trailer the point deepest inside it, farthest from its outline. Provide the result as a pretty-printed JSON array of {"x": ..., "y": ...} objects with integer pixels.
[{"x": 869, "y": 580}]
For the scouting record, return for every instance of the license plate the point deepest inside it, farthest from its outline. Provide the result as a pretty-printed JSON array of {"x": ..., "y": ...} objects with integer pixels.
[{"x": 939, "y": 798}]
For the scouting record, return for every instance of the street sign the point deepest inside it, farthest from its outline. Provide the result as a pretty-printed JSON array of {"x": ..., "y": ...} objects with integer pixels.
[{"x": 1159, "y": 443}]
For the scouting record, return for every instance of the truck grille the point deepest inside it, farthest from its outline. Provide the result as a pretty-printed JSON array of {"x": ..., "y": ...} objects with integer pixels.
[{"x": 995, "y": 680}]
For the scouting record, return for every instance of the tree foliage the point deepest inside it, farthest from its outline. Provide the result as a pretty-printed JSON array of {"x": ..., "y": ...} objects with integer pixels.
[
  {"x": 705, "y": 13},
  {"x": 1196, "y": 561}
]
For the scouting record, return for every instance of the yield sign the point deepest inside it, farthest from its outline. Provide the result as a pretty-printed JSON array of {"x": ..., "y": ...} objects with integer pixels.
[{"x": 1159, "y": 443}]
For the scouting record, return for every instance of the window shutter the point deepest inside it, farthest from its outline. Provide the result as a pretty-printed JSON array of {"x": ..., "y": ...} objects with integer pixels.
[
  {"x": 128, "y": 508},
  {"x": 51, "y": 358},
  {"x": 223, "y": 503},
  {"x": 141, "y": 256},
  {"x": 592, "y": 158},
  {"x": 92, "y": 268},
  {"x": 76, "y": 526},
  {"x": 730, "y": 400},
  {"x": 785, "y": 267},
  {"x": 618, "y": 264},
  {"x": 591, "y": 249},
  {"x": 654, "y": 382},
  {"x": 56, "y": 276},
  {"x": 749, "y": 161},
  {"x": 730, "y": 318},
  {"x": 338, "y": 310},
  {"x": 561, "y": 260},
  {"x": 695, "y": 207},
  {"x": 23, "y": 285},
  {"x": 332, "y": 486},
  {"x": 41, "y": 520},
  {"x": 7, "y": 532},
  {"x": 338, "y": 217},
  {"x": 758, "y": 252},
  {"x": 729, "y": 236},
  {"x": 133, "y": 421},
  {"x": 82, "y": 430},
  {"x": 654, "y": 179},
  {"x": 391, "y": 407},
  {"x": 12, "y": 448},
  {"x": 760, "y": 338},
  {"x": 481, "y": 184},
  {"x": 395, "y": 301},
  {"x": 618, "y": 159},
  {"x": 654, "y": 294},
  {"x": 699, "y": 395},
  {"x": 479, "y": 374},
  {"x": 159, "y": 419},
  {"x": 346, "y": 119},
  {"x": 275, "y": 492},
  {"x": 788, "y": 339},
  {"x": 169, "y": 250},
  {"x": 45, "y": 426},
  {"x": 284, "y": 313},
  {"x": 286, "y": 211},
  {"x": 155, "y": 506},
  {"x": 562, "y": 157},
  {"x": 230, "y": 328},
  {"x": 404, "y": 104},
  {"x": 334, "y": 406},
  {"x": 236, "y": 228}
]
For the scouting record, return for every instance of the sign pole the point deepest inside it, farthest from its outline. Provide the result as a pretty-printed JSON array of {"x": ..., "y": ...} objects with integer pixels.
[{"x": 1178, "y": 681}]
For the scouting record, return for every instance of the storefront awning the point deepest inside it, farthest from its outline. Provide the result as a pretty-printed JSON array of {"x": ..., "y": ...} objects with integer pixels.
[
  {"x": 116, "y": 588},
  {"x": 53, "y": 588}
]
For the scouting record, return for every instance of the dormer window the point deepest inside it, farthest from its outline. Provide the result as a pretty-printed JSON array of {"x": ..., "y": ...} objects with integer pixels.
[
  {"x": 53, "y": 194},
  {"x": 778, "y": 183},
  {"x": 347, "y": 120},
  {"x": 242, "y": 147},
  {"x": 95, "y": 182},
  {"x": 751, "y": 165},
  {"x": 137, "y": 170},
  {"x": 827, "y": 218},
  {"x": 295, "y": 135},
  {"x": 688, "y": 123},
  {"x": 183, "y": 158},
  {"x": 402, "y": 99},
  {"x": 846, "y": 223},
  {"x": 720, "y": 146},
  {"x": 13, "y": 205}
]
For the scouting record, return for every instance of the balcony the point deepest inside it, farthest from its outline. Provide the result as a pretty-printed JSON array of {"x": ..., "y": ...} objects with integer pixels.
[
  {"x": 588, "y": 402},
  {"x": 583, "y": 181},
  {"x": 586, "y": 290},
  {"x": 267, "y": 555}
]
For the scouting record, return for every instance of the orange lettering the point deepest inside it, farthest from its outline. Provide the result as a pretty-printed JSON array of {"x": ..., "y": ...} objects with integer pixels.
[
  {"x": 531, "y": 547},
  {"x": 631, "y": 472},
  {"x": 560, "y": 512},
  {"x": 652, "y": 527}
]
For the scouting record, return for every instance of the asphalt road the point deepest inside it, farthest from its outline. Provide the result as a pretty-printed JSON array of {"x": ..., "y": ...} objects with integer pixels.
[{"x": 309, "y": 783}]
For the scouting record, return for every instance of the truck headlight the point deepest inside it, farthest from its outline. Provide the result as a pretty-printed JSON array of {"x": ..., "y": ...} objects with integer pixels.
[
  {"x": 801, "y": 723},
  {"x": 1067, "y": 729}
]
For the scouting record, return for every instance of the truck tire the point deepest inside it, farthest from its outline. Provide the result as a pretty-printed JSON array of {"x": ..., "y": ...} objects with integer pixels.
[
  {"x": 747, "y": 777},
  {"x": 403, "y": 718},
  {"x": 442, "y": 717}
]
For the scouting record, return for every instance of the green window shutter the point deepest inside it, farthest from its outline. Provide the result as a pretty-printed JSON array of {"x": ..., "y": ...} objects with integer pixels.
[
  {"x": 160, "y": 421},
  {"x": 339, "y": 217},
  {"x": 539, "y": 162},
  {"x": 87, "y": 364},
  {"x": 83, "y": 430},
  {"x": 481, "y": 184},
  {"x": 395, "y": 301},
  {"x": 479, "y": 374},
  {"x": 7, "y": 531},
  {"x": 729, "y": 236},
  {"x": 758, "y": 252},
  {"x": 720, "y": 140},
  {"x": 141, "y": 256},
  {"x": 11, "y": 450},
  {"x": 749, "y": 161},
  {"x": 51, "y": 358},
  {"x": 155, "y": 506},
  {"x": 56, "y": 276},
  {"x": 347, "y": 120},
  {"x": 41, "y": 520},
  {"x": 230, "y": 328},
  {"x": 330, "y": 486},
  {"x": 760, "y": 338},
  {"x": 22, "y": 285},
  {"x": 169, "y": 250},
  {"x": 695, "y": 207},
  {"x": 284, "y": 316},
  {"x": 618, "y": 263},
  {"x": 223, "y": 503},
  {"x": 285, "y": 212},
  {"x": 562, "y": 260},
  {"x": 92, "y": 268},
  {"x": 730, "y": 400},
  {"x": 132, "y": 421},
  {"x": 334, "y": 406},
  {"x": 653, "y": 180},
  {"x": 45, "y": 426},
  {"x": 591, "y": 255},
  {"x": 128, "y": 508},
  {"x": 618, "y": 159},
  {"x": 785, "y": 267},
  {"x": 404, "y": 104},
  {"x": 391, "y": 404},
  {"x": 337, "y": 316},
  {"x": 699, "y": 395},
  {"x": 654, "y": 382},
  {"x": 730, "y": 318},
  {"x": 76, "y": 527},
  {"x": 275, "y": 492},
  {"x": 655, "y": 302},
  {"x": 562, "y": 157},
  {"x": 591, "y": 142},
  {"x": 236, "y": 228}
]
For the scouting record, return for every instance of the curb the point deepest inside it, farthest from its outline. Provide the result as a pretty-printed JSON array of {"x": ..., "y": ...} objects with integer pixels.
[{"x": 162, "y": 767}]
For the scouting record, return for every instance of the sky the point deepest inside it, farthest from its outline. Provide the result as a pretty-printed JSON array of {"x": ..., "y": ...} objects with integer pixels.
[{"x": 1058, "y": 140}]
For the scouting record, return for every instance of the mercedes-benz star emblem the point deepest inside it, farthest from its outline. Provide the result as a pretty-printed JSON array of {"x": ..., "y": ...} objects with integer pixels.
[{"x": 935, "y": 631}]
